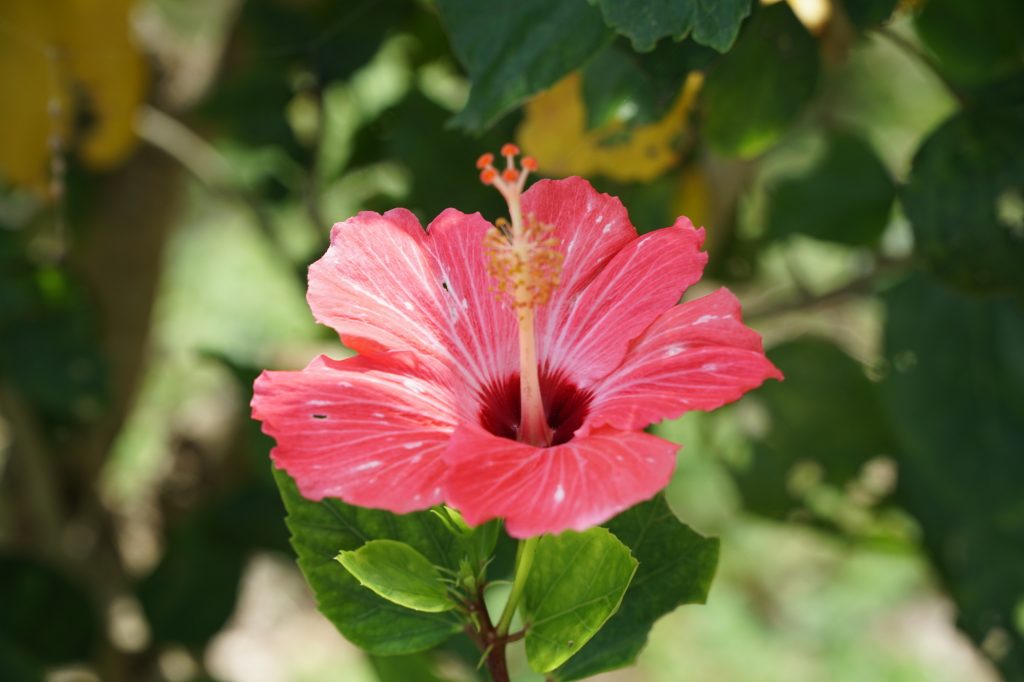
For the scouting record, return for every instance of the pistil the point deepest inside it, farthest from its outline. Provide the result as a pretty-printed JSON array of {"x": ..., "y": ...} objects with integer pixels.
[{"x": 526, "y": 266}]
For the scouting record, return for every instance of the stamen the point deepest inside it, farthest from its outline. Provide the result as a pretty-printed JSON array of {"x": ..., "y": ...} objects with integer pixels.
[{"x": 526, "y": 264}]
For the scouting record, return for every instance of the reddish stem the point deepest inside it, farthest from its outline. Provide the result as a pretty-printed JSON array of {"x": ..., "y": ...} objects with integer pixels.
[{"x": 488, "y": 639}]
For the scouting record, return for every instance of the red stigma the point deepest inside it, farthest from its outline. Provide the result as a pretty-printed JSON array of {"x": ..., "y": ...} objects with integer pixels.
[{"x": 511, "y": 179}]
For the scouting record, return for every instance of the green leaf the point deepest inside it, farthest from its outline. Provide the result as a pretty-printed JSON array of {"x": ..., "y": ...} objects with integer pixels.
[
  {"x": 714, "y": 23},
  {"x": 956, "y": 392},
  {"x": 827, "y": 411},
  {"x": 254, "y": 91},
  {"x": 619, "y": 84},
  {"x": 575, "y": 585},
  {"x": 515, "y": 48},
  {"x": 49, "y": 342},
  {"x": 613, "y": 83},
  {"x": 321, "y": 529},
  {"x": 410, "y": 668},
  {"x": 45, "y": 619},
  {"x": 755, "y": 91},
  {"x": 482, "y": 540},
  {"x": 16, "y": 665},
  {"x": 399, "y": 573},
  {"x": 965, "y": 200},
  {"x": 976, "y": 42},
  {"x": 192, "y": 592},
  {"x": 846, "y": 197},
  {"x": 677, "y": 566},
  {"x": 417, "y": 139},
  {"x": 867, "y": 13}
]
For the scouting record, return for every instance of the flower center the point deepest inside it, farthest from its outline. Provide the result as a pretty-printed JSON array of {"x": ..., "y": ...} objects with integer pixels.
[
  {"x": 566, "y": 406},
  {"x": 525, "y": 262}
]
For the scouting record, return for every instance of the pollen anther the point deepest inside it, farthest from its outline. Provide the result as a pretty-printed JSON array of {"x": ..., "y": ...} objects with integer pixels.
[{"x": 525, "y": 268}]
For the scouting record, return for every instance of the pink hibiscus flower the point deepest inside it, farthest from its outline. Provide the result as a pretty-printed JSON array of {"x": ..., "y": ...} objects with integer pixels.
[{"x": 507, "y": 371}]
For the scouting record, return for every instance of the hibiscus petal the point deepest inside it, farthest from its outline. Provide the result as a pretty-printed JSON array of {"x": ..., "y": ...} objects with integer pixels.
[
  {"x": 385, "y": 285},
  {"x": 481, "y": 328},
  {"x": 591, "y": 227},
  {"x": 378, "y": 288},
  {"x": 696, "y": 356},
  {"x": 576, "y": 485},
  {"x": 643, "y": 280},
  {"x": 356, "y": 431}
]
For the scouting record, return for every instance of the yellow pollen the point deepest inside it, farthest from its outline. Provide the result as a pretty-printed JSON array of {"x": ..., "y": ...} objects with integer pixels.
[{"x": 527, "y": 267}]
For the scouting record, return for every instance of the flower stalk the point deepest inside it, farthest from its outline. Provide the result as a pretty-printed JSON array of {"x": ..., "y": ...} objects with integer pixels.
[
  {"x": 524, "y": 562},
  {"x": 494, "y": 639}
]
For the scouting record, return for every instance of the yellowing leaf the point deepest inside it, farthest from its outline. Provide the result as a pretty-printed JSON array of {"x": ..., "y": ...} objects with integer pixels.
[
  {"x": 63, "y": 61},
  {"x": 555, "y": 132},
  {"x": 693, "y": 196},
  {"x": 107, "y": 63},
  {"x": 27, "y": 83}
]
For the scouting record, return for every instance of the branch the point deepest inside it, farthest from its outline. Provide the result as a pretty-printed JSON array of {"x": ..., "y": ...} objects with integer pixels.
[
  {"x": 33, "y": 466},
  {"x": 852, "y": 289},
  {"x": 202, "y": 160}
]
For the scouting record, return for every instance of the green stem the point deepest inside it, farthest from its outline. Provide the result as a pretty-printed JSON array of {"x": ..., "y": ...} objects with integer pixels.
[{"x": 524, "y": 560}]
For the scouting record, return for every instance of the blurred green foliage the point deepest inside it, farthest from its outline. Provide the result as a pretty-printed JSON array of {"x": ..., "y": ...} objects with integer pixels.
[{"x": 862, "y": 185}]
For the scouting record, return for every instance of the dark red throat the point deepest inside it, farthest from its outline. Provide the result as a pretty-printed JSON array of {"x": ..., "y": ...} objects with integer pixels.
[{"x": 565, "y": 405}]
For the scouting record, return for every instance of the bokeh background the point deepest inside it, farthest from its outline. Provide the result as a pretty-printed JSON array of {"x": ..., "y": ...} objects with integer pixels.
[{"x": 168, "y": 169}]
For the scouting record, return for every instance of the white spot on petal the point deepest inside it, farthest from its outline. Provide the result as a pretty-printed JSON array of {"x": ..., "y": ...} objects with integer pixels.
[
  {"x": 378, "y": 415},
  {"x": 364, "y": 466},
  {"x": 409, "y": 306},
  {"x": 559, "y": 494},
  {"x": 710, "y": 367},
  {"x": 412, "y": 445},
  {"x": 704, "y": 319},
  {"x": 674, "y": 350}
]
